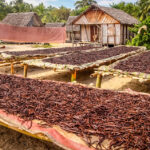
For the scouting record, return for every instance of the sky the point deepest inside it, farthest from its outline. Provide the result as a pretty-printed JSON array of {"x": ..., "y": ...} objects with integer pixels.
[{"x": 70, "y": 3}]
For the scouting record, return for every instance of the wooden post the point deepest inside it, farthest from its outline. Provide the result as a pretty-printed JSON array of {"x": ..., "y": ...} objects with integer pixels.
[
  {"x": 99, "y": 81},
  {"x": 54, "y": 69},
  {"x": 12, "y": 68},
  {"x": 25, "y": 70},
  {"x": 73, "y": 76}
]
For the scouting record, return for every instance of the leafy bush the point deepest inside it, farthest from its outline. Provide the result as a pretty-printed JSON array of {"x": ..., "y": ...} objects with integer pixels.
[{"x": 142, "y": 32}]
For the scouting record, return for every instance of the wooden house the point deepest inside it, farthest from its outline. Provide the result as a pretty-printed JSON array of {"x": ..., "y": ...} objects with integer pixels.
[
  {"x": 108, "y": 26},
  {"x": 72, "y": 31},
  {"x": 27, "y": 19}
]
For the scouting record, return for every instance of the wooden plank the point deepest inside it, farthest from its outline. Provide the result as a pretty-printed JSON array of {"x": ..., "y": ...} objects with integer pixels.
[
  {"x": 104, "y": 35},
  {"x": 118, "y": 34},
  {"x": 101, "y": 32},
  {"x": 115, "y": 35},
  {"x": 107, "y": 34},
  {"x": 123, "y": 34},
  {"x": 111, "y": 33}
]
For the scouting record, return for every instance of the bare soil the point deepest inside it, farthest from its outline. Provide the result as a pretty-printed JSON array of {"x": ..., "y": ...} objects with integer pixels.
[{"x": 12, "y": 140}]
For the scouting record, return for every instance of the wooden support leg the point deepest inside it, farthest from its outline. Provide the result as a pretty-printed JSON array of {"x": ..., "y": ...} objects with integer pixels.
[
  {"x": 54, "y": 69},
  {"x": 99, "y": 81},
  {"x": 73, "y": 76},
  {"x": 25, "y": 70},
  {"x": 12, "y": 68}
]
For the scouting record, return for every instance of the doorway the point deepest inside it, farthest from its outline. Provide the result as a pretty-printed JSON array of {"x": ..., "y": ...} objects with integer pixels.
[{"x": 94, "y": 33}]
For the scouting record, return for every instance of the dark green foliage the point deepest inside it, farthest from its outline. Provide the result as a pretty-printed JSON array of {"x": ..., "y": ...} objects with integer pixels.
[
  {"x": 144, "y": 10},
  {"x": 47, "y": 14},
  {"x": 142, "y": 32},
  {"x": 83, "y": 3},
  {"x": 130, "y": 8},
  {"x": 77, "y": 12}
]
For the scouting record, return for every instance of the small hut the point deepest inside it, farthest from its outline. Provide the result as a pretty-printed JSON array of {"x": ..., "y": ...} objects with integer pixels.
[
  {"x": 56, "y": 25},
  {"x": 27, "y": 19},
  {"x": 73, "y": 31},
  {"x": 108, "y": 26}
]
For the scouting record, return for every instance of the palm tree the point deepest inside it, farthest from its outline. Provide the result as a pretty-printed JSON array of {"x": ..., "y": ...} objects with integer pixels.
[
  {"x": 84, "y": 3},
  {"x": 145, "y": 9}
]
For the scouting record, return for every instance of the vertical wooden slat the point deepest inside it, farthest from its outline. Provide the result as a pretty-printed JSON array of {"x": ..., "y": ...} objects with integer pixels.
[
  {"x": 121, "y": 34},
  {"x": 80, "y": 33},
  {"x": 126, "y": 33},
  {"x": 107, "y": 35},
  {"x": 101, "y": 34},
  {"x": 115, "y": 35}
]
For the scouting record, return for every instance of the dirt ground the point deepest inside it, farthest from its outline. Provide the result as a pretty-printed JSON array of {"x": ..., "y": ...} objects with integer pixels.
[
  {"x": 14, "y": 47},
  {"x": 11, "y": 140}
]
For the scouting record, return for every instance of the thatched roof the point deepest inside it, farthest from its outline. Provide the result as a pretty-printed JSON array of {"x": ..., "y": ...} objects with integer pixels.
[
  {"x": 23, "y": 19},
  {"x": 57, "y": 24},
  {"x": 117, "y": 14},
  {"x": 76, "y": 28}
]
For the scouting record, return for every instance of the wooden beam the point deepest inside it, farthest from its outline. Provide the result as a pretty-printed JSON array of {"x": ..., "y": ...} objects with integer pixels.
[
  {"x": 12, "y": 68},
  {"x": 73, "y": 76},
  {"x": 25, "y": 70},
  {"x": 99, "y": 81}
]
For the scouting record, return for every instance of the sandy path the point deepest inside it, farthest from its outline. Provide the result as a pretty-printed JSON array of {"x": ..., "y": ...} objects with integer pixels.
[{"x": 13, "y": 47}]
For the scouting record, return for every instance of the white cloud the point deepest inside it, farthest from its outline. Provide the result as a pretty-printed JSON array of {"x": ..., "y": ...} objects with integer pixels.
[{"x": 36, "y": 2}]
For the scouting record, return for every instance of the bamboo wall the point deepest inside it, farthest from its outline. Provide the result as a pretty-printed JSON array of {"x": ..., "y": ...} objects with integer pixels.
[{"x": 85, "y": 33}]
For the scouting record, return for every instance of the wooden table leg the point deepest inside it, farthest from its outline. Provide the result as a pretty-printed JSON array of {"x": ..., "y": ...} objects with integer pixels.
[
  {"x": 54, "y": 69},
  {"x": 99, "y": 81},
  {"x": 73, "y": 76},
  {"x": 25, "y": 70},
  {"x": 12, "y": 68}
]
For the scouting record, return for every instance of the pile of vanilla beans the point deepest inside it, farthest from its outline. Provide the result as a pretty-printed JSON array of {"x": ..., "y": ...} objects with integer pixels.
[
  {"x": 80, "y": 57},
  {"x": 50, "y": 50},
  {"x": 122, "y": 118},
  {"x": 139, "y": 63}
]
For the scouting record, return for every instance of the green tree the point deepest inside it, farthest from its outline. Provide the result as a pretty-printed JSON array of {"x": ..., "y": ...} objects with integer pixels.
[
  {"x": 52, "y": 14},
  {"x": 142, "y": 32},
  {"x": 20, "y": 6},
  {"x": 40, "y": 10},
  {"x": 130, "y": 8},
  {"x": 144, "y": 9},
  {"x": 77, "y": 12},
  {"x": 83, "y": 3},
  {"x": 4, "y": 9}
]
